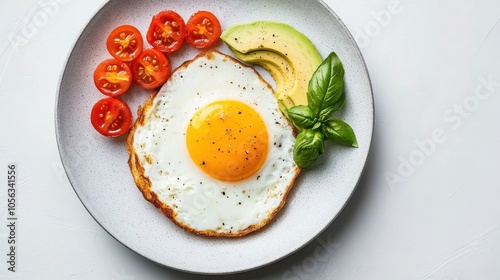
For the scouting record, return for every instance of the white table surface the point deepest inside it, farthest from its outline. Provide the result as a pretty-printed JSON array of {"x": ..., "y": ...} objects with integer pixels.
[{"x": 427, "y": 206}]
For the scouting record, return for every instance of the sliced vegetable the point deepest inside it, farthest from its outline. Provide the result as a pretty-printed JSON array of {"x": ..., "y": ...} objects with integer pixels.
[
  {"x": 112, "y": 77},
  {"x": 167, "y": 31},
  {"x": 125, "y": 43},
  {"x": 203, "y": 29},
  {"x": 151, "y": 69},
  {"x": 111, "y": 117}
]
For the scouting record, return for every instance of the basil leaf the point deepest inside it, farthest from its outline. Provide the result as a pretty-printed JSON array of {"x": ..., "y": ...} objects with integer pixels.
[
  {"x": 301, "y": 116},
  {"x": 308, "y": 146},
  {"x": 326, "y": 113},
  {"x": 326, "y": 87},
  {"x": 340, "y": 132}
]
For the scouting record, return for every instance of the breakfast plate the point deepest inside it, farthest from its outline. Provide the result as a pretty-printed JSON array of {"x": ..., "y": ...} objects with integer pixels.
[{"x": 97, "y": 166}]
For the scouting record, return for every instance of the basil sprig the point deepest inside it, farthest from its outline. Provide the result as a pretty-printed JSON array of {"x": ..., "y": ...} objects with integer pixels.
[
  {"x": 308, "y": 146},
  {"x": 325, "y": 96}
]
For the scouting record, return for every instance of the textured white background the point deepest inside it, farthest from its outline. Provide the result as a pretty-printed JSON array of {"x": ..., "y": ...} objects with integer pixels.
[{"x": 435, "y": 69}]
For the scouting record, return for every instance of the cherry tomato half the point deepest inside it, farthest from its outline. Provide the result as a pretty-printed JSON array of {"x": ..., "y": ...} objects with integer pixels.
[
  {"x": 151, "y": 69},
  {"x": 203, "y": 29},
  {"x": 125, "y": 43},
  {"x": 111, "y": 117},
  {"x": 166, "y": 32},
  {"x": 112, "y": 77}
]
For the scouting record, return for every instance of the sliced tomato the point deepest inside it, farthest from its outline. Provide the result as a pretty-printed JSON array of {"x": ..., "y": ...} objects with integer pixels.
[
  {"x": 111, "y": 117},
  {"x": 151, "y": 69},
  {"x": 112, "y": 77},
  {"x": 203, "y": 29},
  {"x": 125, "y": 43},
  {"x": 166, "y": 32}
]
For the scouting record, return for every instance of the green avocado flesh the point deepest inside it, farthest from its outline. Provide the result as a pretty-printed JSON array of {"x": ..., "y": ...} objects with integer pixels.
[{"x": 288, "y": 55}]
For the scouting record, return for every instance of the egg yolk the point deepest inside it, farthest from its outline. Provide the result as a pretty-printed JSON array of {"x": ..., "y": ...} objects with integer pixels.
[{"x": 228, "y": 140}]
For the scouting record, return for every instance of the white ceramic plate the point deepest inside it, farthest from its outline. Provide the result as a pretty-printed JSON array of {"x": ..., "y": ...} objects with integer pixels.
[{"x": 97, "y": 166}]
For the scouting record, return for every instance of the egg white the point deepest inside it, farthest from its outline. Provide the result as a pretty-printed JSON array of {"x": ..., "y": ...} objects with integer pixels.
[{"x": 199, "y": 202}]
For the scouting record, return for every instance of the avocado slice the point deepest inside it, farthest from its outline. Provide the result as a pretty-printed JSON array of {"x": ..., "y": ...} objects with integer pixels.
[
  {"x": 288, "y": 55},
  {"x": 279, "y": 68}
]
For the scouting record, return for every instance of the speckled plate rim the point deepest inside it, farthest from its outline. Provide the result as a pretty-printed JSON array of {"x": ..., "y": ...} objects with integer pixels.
[{"x": 250, "y": 268}]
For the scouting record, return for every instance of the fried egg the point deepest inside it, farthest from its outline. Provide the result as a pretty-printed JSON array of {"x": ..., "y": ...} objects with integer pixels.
[{"x": 212, "y": 150}]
